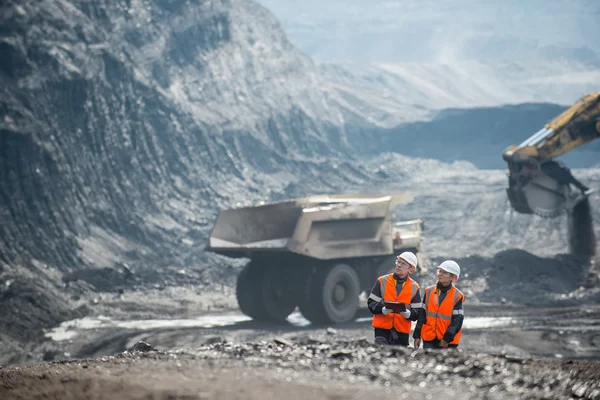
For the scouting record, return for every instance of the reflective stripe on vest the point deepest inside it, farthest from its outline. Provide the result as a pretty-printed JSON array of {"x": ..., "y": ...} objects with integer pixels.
[
  {"x": 439, "y": 316},
  {"x": 387, "y": 283}
]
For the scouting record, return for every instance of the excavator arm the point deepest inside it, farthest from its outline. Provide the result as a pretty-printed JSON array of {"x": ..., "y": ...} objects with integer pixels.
[{"x": 538, "y": 184}]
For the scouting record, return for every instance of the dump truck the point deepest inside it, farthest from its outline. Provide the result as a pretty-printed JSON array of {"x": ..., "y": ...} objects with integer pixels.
[
  {"x": 317, "y": 253},
  {"x": 539, "y": 184}
]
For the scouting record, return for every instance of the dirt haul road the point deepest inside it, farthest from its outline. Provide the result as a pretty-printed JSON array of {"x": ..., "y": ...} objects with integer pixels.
[
  {"x": 298, "y": 370},
  {"x": 507, "y": 352},
  {"x": 539, "y": 340},
  {"x": 541, "y": 345}
]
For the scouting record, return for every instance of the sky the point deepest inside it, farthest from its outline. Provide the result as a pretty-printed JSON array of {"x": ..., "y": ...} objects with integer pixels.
[{"x": 441, "y": 30}]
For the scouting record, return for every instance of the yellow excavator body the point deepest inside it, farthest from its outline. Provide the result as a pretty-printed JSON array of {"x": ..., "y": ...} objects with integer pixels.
[{"x": 538, "y": 184}]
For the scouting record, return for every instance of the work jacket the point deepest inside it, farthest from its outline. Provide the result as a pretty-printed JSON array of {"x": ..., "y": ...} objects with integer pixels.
[
  {"x": 439, "y": 316},
  {"x": 409, "y": 291}
]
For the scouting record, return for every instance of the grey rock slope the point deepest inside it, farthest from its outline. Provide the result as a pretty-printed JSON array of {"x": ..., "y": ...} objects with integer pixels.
[
  {"x": 392, "y": 93},
  {"x": 477, "y": 135},
  {"x": 125, "y": 126}
]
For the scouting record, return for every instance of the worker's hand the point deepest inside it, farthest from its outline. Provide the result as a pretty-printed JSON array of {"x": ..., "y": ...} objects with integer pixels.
[
  {"x": 386, "y": 311},
  {"x": 405, "y": 314},
  {"x": 417, "y": 343},
  {"x": 443, "y": 343}
]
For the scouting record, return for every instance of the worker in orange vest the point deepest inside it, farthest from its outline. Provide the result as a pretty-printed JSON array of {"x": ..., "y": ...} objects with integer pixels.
[
  {"x": 393, "y": 327},
  {"x": 441, "y": 319}
]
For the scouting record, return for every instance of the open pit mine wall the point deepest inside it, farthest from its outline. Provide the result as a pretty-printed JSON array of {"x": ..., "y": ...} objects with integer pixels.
[{"x": 127, "y": 124}]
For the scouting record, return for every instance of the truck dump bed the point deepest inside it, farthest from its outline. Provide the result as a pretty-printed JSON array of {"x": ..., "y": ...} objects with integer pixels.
[{"x": 322, "y": 227}]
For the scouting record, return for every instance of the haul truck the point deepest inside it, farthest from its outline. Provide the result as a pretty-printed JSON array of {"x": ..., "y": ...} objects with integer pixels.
[{"x": 317, "y": 253}]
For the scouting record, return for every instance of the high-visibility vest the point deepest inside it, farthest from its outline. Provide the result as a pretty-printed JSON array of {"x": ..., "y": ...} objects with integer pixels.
[
  {"x": 387, "y": 283},
  {"x": 439, "y": 316}
]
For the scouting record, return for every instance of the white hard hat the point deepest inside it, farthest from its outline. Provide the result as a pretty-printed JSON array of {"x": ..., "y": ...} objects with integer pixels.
[
  {"x": 409, "y": 258},
  {"x": 450, "y": 266}
]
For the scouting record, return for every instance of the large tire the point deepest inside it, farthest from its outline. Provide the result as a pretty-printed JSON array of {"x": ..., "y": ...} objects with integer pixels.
[
  {"x": 306, "y": 306},
  {"x": 331, "y": 295},
  {"x": 265, "y": 293},
  {"x": 246, "y": 292},
  {"x": 278, "y": 293}
]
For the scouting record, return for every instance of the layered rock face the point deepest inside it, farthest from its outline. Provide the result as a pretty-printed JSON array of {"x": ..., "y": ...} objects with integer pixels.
[{"x": 125, "y": 124}]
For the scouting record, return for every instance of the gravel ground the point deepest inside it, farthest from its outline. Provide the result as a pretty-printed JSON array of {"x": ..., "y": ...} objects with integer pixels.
[
  {"x": 535, "y": 352},
  {"x": 299, "y": 370}
]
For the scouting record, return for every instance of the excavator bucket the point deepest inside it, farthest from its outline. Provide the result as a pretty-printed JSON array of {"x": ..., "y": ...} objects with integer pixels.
[
  {"x": 547, "y": 197},
  {"x": 543, "y": 196}
]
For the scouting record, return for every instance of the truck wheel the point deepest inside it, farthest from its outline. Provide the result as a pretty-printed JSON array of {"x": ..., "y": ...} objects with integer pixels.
[
  {"x": 246, "y": 292},
  {"x": 331, "y": 295},
  {"x": 265, "y": 293},
  {"x": 277, "y": 293}
]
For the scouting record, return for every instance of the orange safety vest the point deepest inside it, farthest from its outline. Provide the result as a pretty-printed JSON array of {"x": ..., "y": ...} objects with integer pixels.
[
  {"x": 387, "y": 283},
  {"x": 439, "y": 316}
]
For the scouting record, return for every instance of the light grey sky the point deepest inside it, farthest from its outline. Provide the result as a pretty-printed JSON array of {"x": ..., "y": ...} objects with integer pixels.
[{"x": 441, "y": 30}]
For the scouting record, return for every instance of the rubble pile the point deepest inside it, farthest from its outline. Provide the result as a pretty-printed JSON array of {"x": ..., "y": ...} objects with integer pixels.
[
  {"x": 517, "y": 377},
  {"x": 305, "y": 368}
]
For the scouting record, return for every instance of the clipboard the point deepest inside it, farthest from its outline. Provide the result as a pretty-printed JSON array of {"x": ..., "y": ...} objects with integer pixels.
[{"x": 396, "y": 307}]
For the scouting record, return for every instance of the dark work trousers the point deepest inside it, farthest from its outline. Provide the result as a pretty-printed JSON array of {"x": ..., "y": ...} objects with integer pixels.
[
  {"x": 435, "y": 344},
  {"x": 390, "y": 337}
]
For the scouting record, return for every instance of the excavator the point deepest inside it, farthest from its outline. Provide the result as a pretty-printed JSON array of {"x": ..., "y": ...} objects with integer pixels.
[{"x": 539, "y": 184}]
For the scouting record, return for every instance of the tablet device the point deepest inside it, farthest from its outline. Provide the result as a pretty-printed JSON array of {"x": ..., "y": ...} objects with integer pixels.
[{"x": 396, "y": 307}]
